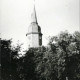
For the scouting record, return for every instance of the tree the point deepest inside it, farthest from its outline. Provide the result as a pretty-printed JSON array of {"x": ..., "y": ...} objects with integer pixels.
[
  {"x": 8, "y": 61},
  {"x": 45, "y": 64},
  {"x": 60, "y": 60},
  {"x": 67, "y": 47}
]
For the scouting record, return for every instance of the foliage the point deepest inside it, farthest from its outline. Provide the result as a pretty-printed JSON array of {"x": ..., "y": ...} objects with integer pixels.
[
  {"x": 68, "y": 52},
  {"x": 8, "y": 61},
  {"x": 60, "y": 60}
]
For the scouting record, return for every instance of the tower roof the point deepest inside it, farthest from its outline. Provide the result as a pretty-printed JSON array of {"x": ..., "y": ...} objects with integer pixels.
[
  {"x": 34, "y": 27},
  {"x": 33, "y": 15}
]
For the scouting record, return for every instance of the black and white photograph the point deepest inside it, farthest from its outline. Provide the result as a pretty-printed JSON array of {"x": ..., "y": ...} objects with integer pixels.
[{"x": 39, "y": 39}]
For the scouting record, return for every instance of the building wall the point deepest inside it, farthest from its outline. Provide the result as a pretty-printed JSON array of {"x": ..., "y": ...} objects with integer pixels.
[
  {"x": 33, "y": 40},
  {"x": 29, "y": 40}
]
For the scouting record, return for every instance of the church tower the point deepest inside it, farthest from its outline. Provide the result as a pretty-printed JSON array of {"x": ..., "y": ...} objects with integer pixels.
[{"x": 34, "y": 35}]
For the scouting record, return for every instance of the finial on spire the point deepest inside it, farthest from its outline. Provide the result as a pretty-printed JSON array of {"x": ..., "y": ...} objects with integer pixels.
[{"x": 33, "y": 15}]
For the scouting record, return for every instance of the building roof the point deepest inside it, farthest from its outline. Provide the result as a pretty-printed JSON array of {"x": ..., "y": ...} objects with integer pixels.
[{"x": 34, "y": 27}]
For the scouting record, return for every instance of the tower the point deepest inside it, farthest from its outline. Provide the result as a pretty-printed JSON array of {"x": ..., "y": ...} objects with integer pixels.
[{"x": 34, "y": 35}]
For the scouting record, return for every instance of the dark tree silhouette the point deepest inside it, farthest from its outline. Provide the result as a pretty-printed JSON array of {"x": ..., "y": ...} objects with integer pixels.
[{"x": 60, "y": 60}]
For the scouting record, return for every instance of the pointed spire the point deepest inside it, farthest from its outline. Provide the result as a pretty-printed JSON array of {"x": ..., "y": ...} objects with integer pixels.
[{"x": 33, "y": 15}]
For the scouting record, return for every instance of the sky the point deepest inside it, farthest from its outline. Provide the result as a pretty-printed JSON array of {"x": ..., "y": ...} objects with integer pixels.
[{"x": 53, "y": 16}]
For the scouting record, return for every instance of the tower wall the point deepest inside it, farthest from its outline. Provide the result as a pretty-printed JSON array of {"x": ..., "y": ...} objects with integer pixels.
[
  {"x": 34, "y": 40},
  {"x": 34, "y": 35}
]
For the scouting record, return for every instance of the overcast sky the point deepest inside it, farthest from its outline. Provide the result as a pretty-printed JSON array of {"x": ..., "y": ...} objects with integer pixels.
[{"x": 53, "y": 16}]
